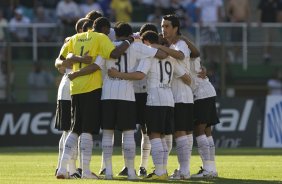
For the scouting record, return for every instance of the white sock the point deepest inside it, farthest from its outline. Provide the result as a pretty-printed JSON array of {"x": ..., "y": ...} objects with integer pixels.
[
  {"x": 79, "y": 152},
  {"x": 168, "y": 139},
  {"x": 212, "y": 152},
  {"x": 72, "y": 162},
  {"x": 157, "y": 155},
  {"x": 204, "y": 151},
  {"x": 61, "y": 147},
  {"x": 129, "y": 150},
  {"x": 190, "y": 147},
  {"x": 69, "y": 146},
  {"x": 145, "y": 150},
  {"x": 182, "y": 150},
  {"x": 166, "y": 153},
  {"x": 103, "y": 165},
  {"x": 86, "y": 146},
  {"x": 107, "y": 146}
]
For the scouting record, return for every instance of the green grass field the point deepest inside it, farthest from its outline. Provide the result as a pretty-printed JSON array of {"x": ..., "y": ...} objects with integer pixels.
[{"x": 37, "y": 165}]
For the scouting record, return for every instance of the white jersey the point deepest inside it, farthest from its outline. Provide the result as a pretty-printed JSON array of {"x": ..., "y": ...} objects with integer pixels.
[
  {"x": 159, "y": 77},
  {"x": 182, "y": 93},
  {"x": 123, "y": 89},
  {"x": 64, "y": 87},
  {"x": 202, "y": 88},
  {"x": 140, "y": 86}
]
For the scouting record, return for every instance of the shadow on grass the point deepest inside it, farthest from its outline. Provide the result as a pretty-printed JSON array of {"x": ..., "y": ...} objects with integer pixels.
[
  {"x": 117, "y": 151},
  {"x": 210, "y": 180}
]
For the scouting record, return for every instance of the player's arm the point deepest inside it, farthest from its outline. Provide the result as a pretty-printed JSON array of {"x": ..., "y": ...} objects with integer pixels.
[
  {"x": 119, "y": 50},
  {"x": 186, "y": 79},
  {"x": 173, "y": 53},
  {"x": 203, "y": 73},
  {"x": 114, "y": 73},
  {"x": 97, "y": 65},
  {"x": 79, "y": 59},
  {"x": 84, "y": 71},
  {"x": 194, "y": 51},
  {"x": 179, "y": 72},
  {"x": 161, "y": 54}
]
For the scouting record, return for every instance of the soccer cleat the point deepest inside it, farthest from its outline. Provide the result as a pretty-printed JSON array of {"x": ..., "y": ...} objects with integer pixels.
[
  {"x": 177, "y": 175},
  {"x": 213, "y": 174},
  {"x": 124, "y": 172},
  {"x": 77, "y": 174},
  {"x": 202, "y": 174},
  {"x": 102, "y": 171},
  {"x": 62, "y": 174},
  {"x": 108, "y": 177},
  {"x": 142, "y": 172},
  {"x": 89, "y": 176},
  {"x": 153, "y": 176}
]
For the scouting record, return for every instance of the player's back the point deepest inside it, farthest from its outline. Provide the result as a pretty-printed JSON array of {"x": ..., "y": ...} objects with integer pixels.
[
  {"x": 127, "y": 62},
  {"x": 92, "y": 44}
]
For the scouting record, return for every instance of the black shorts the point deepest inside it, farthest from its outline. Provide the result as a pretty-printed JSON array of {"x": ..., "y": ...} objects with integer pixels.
[
  {"x": 183, "y": 117},
  {"x": 159, "y": 119},
  {"x": 118, "y": 114},
  {"x": 205, "y": 111},
  {"x": 86, "y": 112},
  {"x": 141, "y": 99},
  {"x": 63, "y": 115}
]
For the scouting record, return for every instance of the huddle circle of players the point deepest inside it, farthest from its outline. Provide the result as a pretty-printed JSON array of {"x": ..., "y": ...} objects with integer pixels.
[{"x": 153, "y": 79}]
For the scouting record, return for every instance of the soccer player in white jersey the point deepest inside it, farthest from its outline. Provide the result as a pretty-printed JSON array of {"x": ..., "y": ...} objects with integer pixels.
[
  {"x": 63, "y": 111},
  {"x": 118, "y": 95},
  {"x": 205, "y": 116},
  {"x": 182, "y": 95},
  {"x": 160, "y": 102}
]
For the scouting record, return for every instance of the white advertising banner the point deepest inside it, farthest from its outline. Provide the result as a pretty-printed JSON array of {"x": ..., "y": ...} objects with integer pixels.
[{"x": 272, "y": 135}]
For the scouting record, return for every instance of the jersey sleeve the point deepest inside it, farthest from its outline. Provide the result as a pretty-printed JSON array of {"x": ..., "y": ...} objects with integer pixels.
[
  {"x": 183, "y": 47},
  {"x": 106, "y": 46},
  {"x": 64, "y": 50},
  {"x": 144, "y": 66},
  {"x": 100, "y": 62},
  {"x": 178, "y": 70},
  {"x": 144, "y": 51}
]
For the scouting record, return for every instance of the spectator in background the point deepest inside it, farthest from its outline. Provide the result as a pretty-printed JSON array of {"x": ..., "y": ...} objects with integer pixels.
[
  {"x": 149, "y": 5},
  {"x": 5, "y": 76},
  {"x": 209, "y": 12},
  {"x": 121, "y": 10},
  {"x": 43, "y": 34},
  {"x": 237, "y": 11},
  {"x": 88, "y": 6},
  {"x": 68, "y": 13},
  {"x": 105, "y": 5},
  {"x": 164, "y": 5},
  {"x": 3, "y": 27},
  {"x": 39, "y": 82},
  {"x": 191, "y": 11},
  {"x": 274, "y": 84},
  {"x": 268, "y": 12},
  {"x": 155, "y": 17},
  {"x": 19, "y": 34}
]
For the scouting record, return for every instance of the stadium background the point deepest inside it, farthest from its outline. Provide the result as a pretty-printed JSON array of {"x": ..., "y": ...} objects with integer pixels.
[{"x": 250, "y": 116}]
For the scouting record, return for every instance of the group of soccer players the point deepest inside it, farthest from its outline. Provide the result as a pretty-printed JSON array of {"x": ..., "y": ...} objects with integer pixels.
[{"x": 155, "y": 80}]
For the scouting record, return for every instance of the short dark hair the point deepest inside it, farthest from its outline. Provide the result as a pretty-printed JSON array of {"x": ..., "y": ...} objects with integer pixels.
[
  {"x": 101, "y": 22},
  {"x": 93, "y": 15},
  {"x": 150, "y": 36},
  {"x": 79, "y": 24},
  {"x": 174, "y": 21},
  {"x": 87, "y": 25},
  {"x": 123, "y": 29},
  {"x": 148, "y": 27}
]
